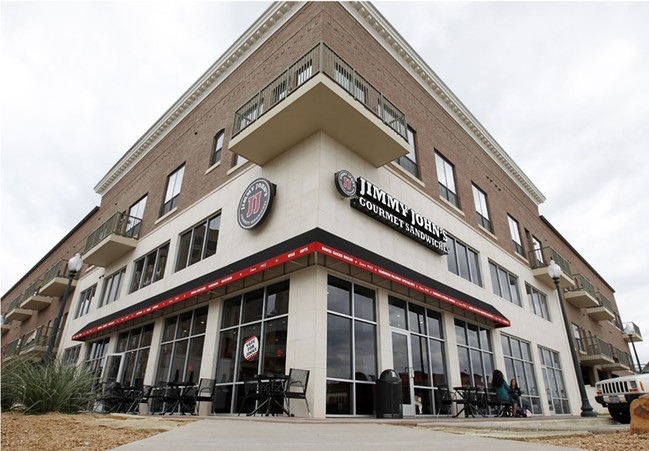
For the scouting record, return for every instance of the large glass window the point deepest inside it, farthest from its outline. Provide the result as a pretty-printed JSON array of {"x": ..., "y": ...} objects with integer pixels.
[
  {"x": 475, "y": 354},
  {"x": 150, "y": 269},
  {"x": 409, "y": 162},
  {"x": 135, "y": 215},
  {"x": 85, "y": 298},
  {"x": 252, "y": 341},
  {"x": 482, "y": 211},
  {"x": 95, "y": 353},
  {"x": 519, "y": 365},
  {"x": 135, "y": 344},
  {"x": 538, "y": 302},
  {"x": 218, "y": 148},
  {"x": 553, "y": 379},
  {"x": 172, "y": 192},
  {"x": 515, "y": 233},
  {"x": 427, "y": 350},
  {"x": 199, "y": 242},
  {"x": 446, "y": 179},
  {"x": 505, "y": 284},
  {"x": 463, "y": 261},
  {"x": 112, "y": 287},
  {"x": 181, "y": 351},
  {"x": 351, "y": 348}
]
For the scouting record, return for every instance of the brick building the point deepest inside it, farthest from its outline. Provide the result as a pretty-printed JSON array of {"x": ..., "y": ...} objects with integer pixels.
[{"x": 319, "y": 199}]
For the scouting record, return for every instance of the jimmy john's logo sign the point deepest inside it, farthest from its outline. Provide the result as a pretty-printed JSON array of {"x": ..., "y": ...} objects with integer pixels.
[
  {"x": 374, "y": 202},
  {"x": 255, "y": 204}
]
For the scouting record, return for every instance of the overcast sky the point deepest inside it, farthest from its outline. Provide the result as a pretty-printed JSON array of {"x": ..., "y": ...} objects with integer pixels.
[{"x": 562, "y": 87}]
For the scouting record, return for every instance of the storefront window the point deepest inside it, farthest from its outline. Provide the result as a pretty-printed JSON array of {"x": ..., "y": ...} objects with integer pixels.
[
  {"x": 351, "y": 348},
  {"x": 252, "y": 341},
  {"x": 519, "y": 365},
  {"x": 135, "y": 344},
  {"x": 475, "y": 354},
  {"x": 553, "y": 379}
]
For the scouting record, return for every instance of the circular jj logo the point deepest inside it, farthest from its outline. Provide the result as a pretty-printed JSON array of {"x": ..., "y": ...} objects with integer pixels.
[
  {"x": 255, "y": 203},
  {"x": 345, "y": 183}
]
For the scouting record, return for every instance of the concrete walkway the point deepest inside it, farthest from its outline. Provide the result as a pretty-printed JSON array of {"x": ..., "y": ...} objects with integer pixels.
[{"x": 240, "y": 433}]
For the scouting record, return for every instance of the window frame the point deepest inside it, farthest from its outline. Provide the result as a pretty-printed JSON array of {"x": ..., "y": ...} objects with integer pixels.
[
  {"x": 481, "y": 208},
  {"x": 191, "y": 243},
  {"x": 108, "y": 295},
  {"x": 472, "y": 261},
  {"x": 157, "y": 271},
  {"x": 538, "y": 302},
  {"x": 409, "y": 162},
  {"x": 172, "y": 190},
  {"x": 85, "y": 299},
  {"x": 497, "y": 287},
  {"x": 446, "y": 169},
  {"x": 515, "y": 233},
  {"x": 217, "y": 147}
]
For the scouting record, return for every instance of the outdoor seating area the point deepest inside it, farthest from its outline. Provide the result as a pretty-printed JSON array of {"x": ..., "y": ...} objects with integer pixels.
[
  {"x": 264, "y": 394},
  {"x": 471, "y": 402}
]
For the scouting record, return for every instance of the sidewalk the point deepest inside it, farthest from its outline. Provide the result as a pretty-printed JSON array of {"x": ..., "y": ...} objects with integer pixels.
[{"x": 230, "y": 433}]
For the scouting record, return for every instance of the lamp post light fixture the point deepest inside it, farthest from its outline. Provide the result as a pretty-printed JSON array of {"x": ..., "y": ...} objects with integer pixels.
[
  {"x": 630, "y": 330},
  {"x": 554, "y": 271},
  {"x": 74, "y": 265}
]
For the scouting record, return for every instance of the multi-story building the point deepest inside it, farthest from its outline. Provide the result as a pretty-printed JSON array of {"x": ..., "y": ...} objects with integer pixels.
[{"x": 320, "y": 199}]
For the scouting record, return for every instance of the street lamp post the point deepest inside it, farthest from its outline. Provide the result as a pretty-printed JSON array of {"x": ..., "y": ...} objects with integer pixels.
[
  {"x": 74, "y": 265},
  {"x": 554, "y": 271},
  {"x": 629, "y": 330}
]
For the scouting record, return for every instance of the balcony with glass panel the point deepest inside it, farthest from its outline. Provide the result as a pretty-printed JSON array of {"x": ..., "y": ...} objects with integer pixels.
[
  {"x": 113, "y": 239},
  {"x": 55, "y": 280},
  {"x": 33, "y": 299},
  {"x": 631, "y": 332},
  {"x": 320, "y": 91},
  {"x": 604, "y": 310},
  {"x": 583, "y": 294},
  {"x": 621, "y": 361},
  {"x": 595, "y": 351},
  {"x": 17, "y": 313},
  {"x": 539, "y": 261}
]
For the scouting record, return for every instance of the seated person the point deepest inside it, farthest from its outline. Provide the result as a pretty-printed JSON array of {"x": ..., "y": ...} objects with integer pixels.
[
  {"x": 502, "y": 390},
  {"x": 515, "y": 394}
]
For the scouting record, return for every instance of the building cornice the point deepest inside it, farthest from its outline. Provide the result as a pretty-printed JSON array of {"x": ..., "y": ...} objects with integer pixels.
[
  {"x": 273, "y": 18},
  {"x": 380, "y": 28}
]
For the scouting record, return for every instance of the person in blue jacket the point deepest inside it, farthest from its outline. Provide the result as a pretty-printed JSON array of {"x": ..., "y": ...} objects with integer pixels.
[{"x": 501, "y": 388}]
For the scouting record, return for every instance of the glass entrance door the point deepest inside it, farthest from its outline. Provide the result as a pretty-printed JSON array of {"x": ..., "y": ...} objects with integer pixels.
[{"x": 401, "y": 360}]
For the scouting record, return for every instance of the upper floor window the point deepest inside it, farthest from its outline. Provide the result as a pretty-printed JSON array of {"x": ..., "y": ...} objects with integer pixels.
[
  {"x": 480, "y": 201},
  {"x": 463, "y": 261},
  {"x": 135, "y": 214},
  {"x": 446, "y": 179},
  {"x": 238, "y": 159},
  {"x": 409, "y": 162},
  {"x": 199, "y": 242},
  {"x": 218, "y": 147},
  {"x": 515, "y": 234},
  {"x": 174, "y": 182},
  {"x": 150, "y": 268},
  {"x": 538, "y": 253},
  {"x": 84, "y": 301},
  {"x": 537, "y": 301},
  {"x": 112, "y": 287},
  {"x": 505, "y": 284}
]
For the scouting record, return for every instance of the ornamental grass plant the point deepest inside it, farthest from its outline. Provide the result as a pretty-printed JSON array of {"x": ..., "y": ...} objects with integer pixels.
[{"x": 42, "y": 387}]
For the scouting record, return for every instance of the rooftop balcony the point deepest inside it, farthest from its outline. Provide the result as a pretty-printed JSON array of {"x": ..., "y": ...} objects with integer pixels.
[
  {"x": 320, "y": 91},
  {"x": 595, "y": 351},
  {"x": 631, "y": 332},
  {"x": 583, "y": 294},
  {"x": 32, "y": 298},
  {"x": 603, "y": 312},
  {"x": 15, "y": 312},
  {"x": 113, "y": 239},
  {"x": 55, "y": 280},
  {"x": 539, "y": 261}
]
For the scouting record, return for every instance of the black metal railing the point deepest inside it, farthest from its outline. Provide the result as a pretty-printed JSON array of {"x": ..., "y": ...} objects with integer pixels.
[
  {"x": 540, "y": 258},
  {"x": 118, "y": 224},
  {"x": 321, "y": 59}
]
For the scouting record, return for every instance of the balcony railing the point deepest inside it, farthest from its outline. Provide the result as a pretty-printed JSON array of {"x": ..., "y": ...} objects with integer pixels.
[
  {"x": 540, "y": 258},
  {"x": 604, "y": 302},
  {"x": 58, "y": 270},
  {"x": 631, "y": 332},
  {"x": 14, "y": 303},
  {"x": 119, "y": 224},
  {"x": 595, "y": 346},
  {"x": 582, "y": 283},
  {"x": 320, "y": 59},
  {"x": 34, "y": 343},
  {"x": 31, "y": 290}
]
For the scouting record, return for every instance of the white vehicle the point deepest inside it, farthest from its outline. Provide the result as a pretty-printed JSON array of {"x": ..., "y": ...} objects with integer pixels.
[{"x": 617, "y": 393}]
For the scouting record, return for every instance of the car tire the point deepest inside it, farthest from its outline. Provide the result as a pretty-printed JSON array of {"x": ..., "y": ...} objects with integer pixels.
[{"x": 620, "y": 415}]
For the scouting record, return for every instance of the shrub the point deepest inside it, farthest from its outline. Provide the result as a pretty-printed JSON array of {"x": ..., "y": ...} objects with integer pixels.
[{"x": 51, "y": 386}]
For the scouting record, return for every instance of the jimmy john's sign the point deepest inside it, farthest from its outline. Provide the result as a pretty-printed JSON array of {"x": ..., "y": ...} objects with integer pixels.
[{"x": 374, "y": 202}]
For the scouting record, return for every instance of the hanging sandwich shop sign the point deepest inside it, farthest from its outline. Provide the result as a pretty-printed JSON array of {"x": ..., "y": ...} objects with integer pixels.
[{"x": 389, "y": 210}]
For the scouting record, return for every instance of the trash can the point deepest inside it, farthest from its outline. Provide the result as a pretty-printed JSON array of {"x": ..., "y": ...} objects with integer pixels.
[{"x": 389, "y": 395}]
